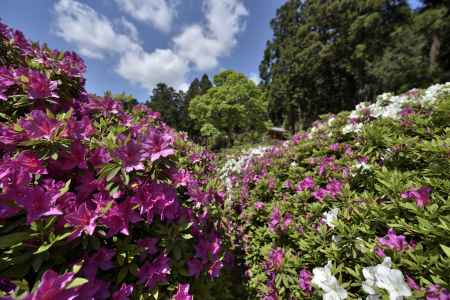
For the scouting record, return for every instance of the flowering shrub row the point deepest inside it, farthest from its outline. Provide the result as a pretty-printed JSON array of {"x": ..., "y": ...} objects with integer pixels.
[
  {"x": 97, "y": 202},
  {"x": 356, "y": 207}
]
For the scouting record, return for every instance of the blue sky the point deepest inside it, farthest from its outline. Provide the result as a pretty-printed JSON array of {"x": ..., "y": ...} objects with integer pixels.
[{"x": 130, "y": 45}]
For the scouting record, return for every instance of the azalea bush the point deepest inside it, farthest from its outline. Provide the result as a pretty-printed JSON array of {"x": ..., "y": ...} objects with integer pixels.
[
  {"x": 356, "y": 207},
  {"x": 98, "y": 202}
]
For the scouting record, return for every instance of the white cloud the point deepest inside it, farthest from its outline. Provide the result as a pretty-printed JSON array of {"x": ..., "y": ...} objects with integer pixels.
[
  {"x": 94, "y": 34},
  {"x": 148, "y": 69},
  {"x": 203, "y": 46},
  {"x": 197, "y": 45},
  {"x": 255, "y": 78},
  {"x": 159, "y": 13}
]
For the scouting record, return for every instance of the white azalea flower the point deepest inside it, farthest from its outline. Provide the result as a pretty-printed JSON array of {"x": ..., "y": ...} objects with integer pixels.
[
  {"x": 328, "y": 283},
  {"x": 383, "y": 277},
  {"x": 330, "y": 217}
]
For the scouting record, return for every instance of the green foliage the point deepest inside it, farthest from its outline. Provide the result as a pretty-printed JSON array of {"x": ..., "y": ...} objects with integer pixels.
[
  {"x": 401, "y": 154},
  {"x": 326, "y": 56},
  {"x": 234, "y": 106}
]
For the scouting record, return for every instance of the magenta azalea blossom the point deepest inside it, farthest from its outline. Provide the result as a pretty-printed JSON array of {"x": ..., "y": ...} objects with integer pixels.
[
  {"x": 158, "y": 144},
  {"x": 259, "y": 205},
  {"x": 435, "y": 292},
  {"x": 334, "y": 187},
  {"x": 304, "y": 281},
  {"x": 420, "y": 195},
  {"x": 275, "y": 218},
  {"x": 39, "y": 203},
  {"x": 182, "y": 292},
  {"x": 132, "y": 156},
  {"x": 83, "y": 219},
  {"x": 276, "y": 259},
  {"x": 214, "y": 269},
  {"x": 38, "y": 125},
  {"x": 54, "y": 286},
  {"x": 149, "y": 245},
  {"x": 80, "y": 130},
  {"x": 412, "y": 283},
  {"x": 105, "y": 105},
  {"x": 123, "y": 293},
  {"x": 7, "y": 80},
  {"x": 393, "y": 241},
  {"x": 40, "y": 87},
  {"x": 99, "y": 260},
  {"x": 320, "y": 194},
  {"x": 305, "y": 184},
  {"x": 9, "y": 136},
  {"x": 100, "y": 156},
  {"x": 155, "y": 272}
]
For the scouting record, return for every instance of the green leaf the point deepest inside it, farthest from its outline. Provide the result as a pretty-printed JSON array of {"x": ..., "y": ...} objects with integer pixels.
[
  {"x": 13, "y": 239},
  {"x": 66, "y": 187},
  {"x": 446, "y": 250},
  {"x": 77, "y": 282},
  {"x": 113, "y": 173}
]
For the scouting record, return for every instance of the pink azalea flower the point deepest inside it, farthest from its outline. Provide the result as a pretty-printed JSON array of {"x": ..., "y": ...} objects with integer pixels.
[
  {"x": 276, "y": 259},
  {"x": 158, "y": 144},
  {"x": 259, "y": 205},
  {"x": 421, "y": 195},
  {"x": 99, "y": 260},
  {"x": 124, "y": 293},
  {"x": 80, "y": 130},
  {"x": 149, "y": 245},
  {"x": 435, "y": 292},
  {"x": 275, "y": 218},
  {"x": 100, "y": 156},
  {"x": 182, "y": 292},
  {"x": 334, "y": 147},
  {"x": 334, "y": 187},
  {"x": 320, "y": 194},
  {"x": 54, "y": 286},
  {"x": 38, "y": 125},
  {"x": 155, "y": 272},
  {"x": 304, "y": 280},
  {"x": 132, "y": 156},
  {"x": 393, "y": 241},
  {"x": 7, "y": 79},
  {"x": 412, "y": 283},
  {"x": 39, "y": 203},
  {"x": 40, "y": 87},
  {"x": 83, "y": 219},
  {"x": 105, "y": 105},
  {"x": 214, "y": 269},
  {"x": 306, "y": 184}
]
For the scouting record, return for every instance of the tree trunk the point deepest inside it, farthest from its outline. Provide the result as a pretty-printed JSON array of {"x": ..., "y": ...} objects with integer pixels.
[{"x": 434, "y": 51}]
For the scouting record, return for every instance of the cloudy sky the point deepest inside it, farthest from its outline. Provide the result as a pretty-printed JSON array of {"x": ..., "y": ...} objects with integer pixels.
[{"x": 130, "y": 45}]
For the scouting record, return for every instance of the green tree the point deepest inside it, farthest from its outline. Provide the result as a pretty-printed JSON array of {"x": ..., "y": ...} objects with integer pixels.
[
  {"x": 197, "y": 88},
  {"x": 169, "y": 103},
  {"x": 318, "y": 58},
  {"x": 234, "y": 106}
]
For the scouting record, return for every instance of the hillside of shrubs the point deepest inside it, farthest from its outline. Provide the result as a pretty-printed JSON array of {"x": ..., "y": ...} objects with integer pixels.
[
  {"x": 357, "y": 207},
  {"x": 102, "y": 200}
]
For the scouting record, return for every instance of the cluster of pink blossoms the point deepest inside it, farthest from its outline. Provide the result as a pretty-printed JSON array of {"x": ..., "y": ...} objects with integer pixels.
[{"x": 104, "y": 181}]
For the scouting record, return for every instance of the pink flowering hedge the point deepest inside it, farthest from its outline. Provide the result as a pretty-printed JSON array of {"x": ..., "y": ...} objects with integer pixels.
[
  {"x": 356, "y": 207},
  {"x": 97, "y": 202}
]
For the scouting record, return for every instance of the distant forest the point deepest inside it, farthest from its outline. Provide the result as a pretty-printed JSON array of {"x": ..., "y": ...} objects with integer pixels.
[{"x": 324, "y": 57}]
